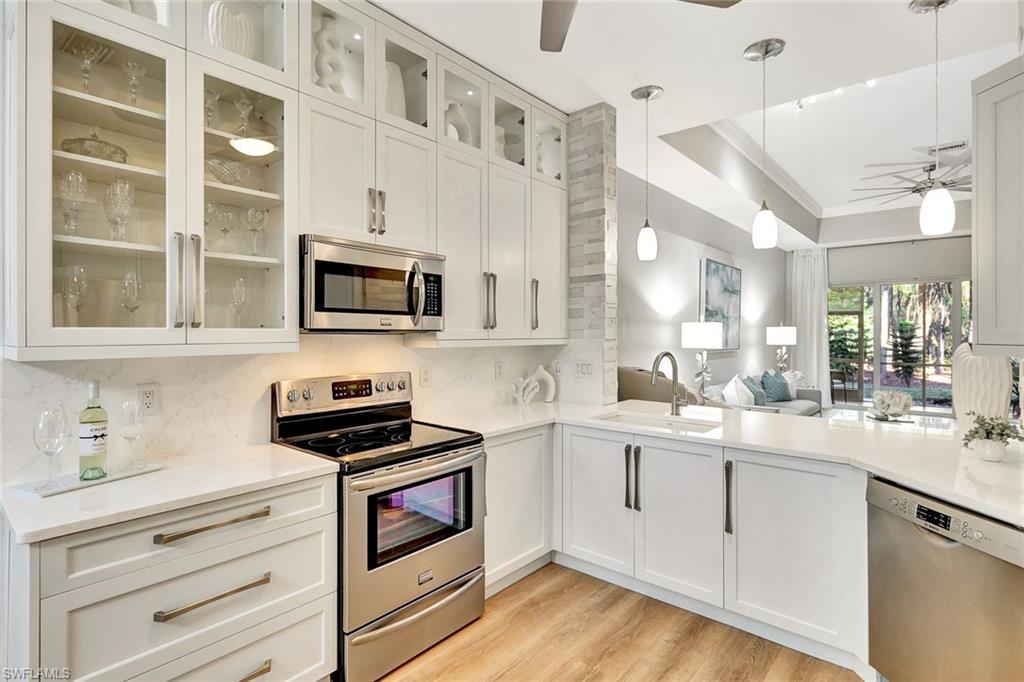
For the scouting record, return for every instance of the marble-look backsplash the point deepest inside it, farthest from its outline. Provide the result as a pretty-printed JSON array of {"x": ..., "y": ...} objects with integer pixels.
[{"x": 218, "y": 401}]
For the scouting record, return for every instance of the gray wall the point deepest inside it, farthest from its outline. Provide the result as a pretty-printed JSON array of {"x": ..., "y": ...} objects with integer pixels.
[
  {"x": 655, "y": 297},
  {"x": 911, "y": 261}
]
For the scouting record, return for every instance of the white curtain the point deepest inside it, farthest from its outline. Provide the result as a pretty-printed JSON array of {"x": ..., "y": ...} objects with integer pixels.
[{"x": 807, "y": 303}]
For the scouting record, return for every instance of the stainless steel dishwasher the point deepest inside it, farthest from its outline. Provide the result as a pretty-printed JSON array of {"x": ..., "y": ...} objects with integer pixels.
[{"x": 946, "y": 590}]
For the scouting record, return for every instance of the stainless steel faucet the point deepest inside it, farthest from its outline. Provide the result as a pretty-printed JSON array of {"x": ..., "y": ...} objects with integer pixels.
[{"x": 677, "y": 399}]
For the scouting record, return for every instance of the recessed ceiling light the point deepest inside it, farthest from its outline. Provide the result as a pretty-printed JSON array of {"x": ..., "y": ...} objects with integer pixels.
[
  {"x": 871, "y": 82},
  {"x": 837, "y": 92},
  {"x": 469, "y": 93},
  {"x": 356, "y": 36},
  {"x": 812, "y": 99}
]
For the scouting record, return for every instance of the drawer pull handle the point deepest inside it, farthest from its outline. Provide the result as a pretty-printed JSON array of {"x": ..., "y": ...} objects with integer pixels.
[
  {"x": 162, "y": 539},
  {"x": 164, "y": 616},
  {"x": 258, "y": 672}
]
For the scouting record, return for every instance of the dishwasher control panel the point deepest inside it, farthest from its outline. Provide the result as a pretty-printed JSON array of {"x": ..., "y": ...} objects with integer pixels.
[{"x": 987, "y": 535}]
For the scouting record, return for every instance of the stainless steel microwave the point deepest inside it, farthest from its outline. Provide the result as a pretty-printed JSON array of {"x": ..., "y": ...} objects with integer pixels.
[{"x": 353, "y": 287}]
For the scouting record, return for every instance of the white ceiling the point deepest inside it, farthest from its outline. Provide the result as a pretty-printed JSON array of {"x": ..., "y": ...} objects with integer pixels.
[
  {"x": 695, "y": 52},
  {"x": 826, "y": 148}
]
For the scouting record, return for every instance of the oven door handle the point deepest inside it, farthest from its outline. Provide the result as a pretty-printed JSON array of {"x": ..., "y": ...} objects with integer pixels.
[
  {"x": 419, "y": 286},
  {"x": 428, "y": 468},
  {"x": 433, "y": 608}
]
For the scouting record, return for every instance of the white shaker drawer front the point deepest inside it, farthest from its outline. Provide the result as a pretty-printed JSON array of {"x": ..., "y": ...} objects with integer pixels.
[
  {"x": 299, "y": 645},
  {"x": 84, "y": 558},
  {"x": 120, "y": 628}
]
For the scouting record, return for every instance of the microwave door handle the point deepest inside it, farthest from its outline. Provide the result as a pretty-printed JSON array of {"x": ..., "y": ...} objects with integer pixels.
[{"x": 419, "y": 285}]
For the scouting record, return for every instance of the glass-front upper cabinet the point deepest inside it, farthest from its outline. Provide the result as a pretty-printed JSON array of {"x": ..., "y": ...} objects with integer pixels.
[
  {"x": 406, "y": 92},
  {"x": 258, "y": 36},
  {"x": 163, "y": 19},
  {"x": 243, "y": 244},
  {"x": 106, "y": 193},
  {"x": 513, "y": 121},
  {"x": 549, "y": 148},
  {"x": 338, "y": 58},
  {"x": 462, "y": 108}
]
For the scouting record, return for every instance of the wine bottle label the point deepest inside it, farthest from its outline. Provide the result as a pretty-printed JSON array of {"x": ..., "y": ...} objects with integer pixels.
[{"x": 92, "y": 438}]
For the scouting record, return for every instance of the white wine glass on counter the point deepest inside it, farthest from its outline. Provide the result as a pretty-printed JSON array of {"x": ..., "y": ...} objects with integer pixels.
[
  {"x": 50, "y": 434},
  {"x": 254, "y": 220},
  {"x": 239, "y": 299},
  {"x": 132, "y": 421},
  {"x": 134, "y": 71},
  {"x": 132, "y": 291},
  {"x": 72, "y": 189},
  {"x": 118, "y": 202}
]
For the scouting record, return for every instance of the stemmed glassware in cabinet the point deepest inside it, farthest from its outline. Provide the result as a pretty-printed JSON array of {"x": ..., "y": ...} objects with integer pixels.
[
  {"x": 211, "y": 99},
  {"x": 134, "y": 71},
  {"x": 72, "y": 189},
  {"x": 239, "y": 299},
  {"x": 131, "y": 427},
  {"x": 254, "y": 220},
  {"x": 88, "y": 52},
  {"x": 132, "y": 291},
  {"x": 76, "y": 287},
  {"x": 118, "y": 202},
  {"x": 50, "y": 434}
]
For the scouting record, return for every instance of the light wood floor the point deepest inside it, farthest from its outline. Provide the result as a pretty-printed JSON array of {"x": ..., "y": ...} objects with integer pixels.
[{"x": 558, "y": 624}]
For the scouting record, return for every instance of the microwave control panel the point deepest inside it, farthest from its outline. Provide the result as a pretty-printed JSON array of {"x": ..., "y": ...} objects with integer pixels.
[{"x": 432, "y": 287}]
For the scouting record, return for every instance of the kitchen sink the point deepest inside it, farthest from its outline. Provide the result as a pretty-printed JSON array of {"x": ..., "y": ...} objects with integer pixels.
[{"x": 675, "y": 424}]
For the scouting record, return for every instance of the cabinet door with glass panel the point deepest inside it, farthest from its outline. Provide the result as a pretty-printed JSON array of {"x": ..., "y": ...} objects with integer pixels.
[
  {"x": 549, "y": 148},
  {"x": 512, "y": 123},
  {"x": 257, "y": 36},
  {"x": 406, "y": 94},
  {"x": 462, "y": 100},
  {"x": 160, "y": 19},
  {"x": 242, "y": 176},
  {"x": 337, "y": 58},
  {"x": 105, "y": 205}
]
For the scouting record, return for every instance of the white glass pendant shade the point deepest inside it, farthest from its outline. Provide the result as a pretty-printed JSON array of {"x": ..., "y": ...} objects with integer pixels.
[
  {"x": 647, "y": 243},
  {"x": 938, "y": 212},
  {"x": 252, "y": 146},
  {"x": 765, "y": 232}
]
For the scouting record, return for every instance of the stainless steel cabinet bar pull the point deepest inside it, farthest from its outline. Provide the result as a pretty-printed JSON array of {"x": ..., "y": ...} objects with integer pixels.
[
  {"x": 382, "y": 211},
  {"x": 179, "y": 309},
  {"x": 198, "y": 299},
  {"x": 372, "y": 204},
  {"x": 636, "y": 478},
  {"x": 487, "y": 300},
  {"x": 535, "y": 285},
  {"x": 628, "y": 453},
  {"x": 494, "y": 300},
  {"x": 168, "y": 538},
  {"x": 728, "y": 497},
  {"x": 164, "y": 616},
  {"x": 258, "y": 672}
]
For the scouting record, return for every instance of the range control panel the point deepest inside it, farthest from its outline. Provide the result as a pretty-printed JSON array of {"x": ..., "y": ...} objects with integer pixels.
[
  {"x": 322, "y": 394},
  {"x": 982, "y": 533}
]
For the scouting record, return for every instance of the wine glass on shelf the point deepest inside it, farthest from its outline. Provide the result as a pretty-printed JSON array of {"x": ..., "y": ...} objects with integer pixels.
[
  {"x": 131, "y": 427},
  {"x": 226, "y": 223},
  {"x": 254, "y": 220},
  {"x": 132, "y": 291},
  {"x": 118, "y": 202},
  {"x": 76, "y": 287},
  {"x": 245, "y": 105},
  {"x": 134, "y": 71},
  {"x": 72, "y": 189},
  {"x": 211, "y": 99},
  {"x": 50, "y": 434},
  {"x": 88, "y": 51},
  {"x": 239, "y": 299}
]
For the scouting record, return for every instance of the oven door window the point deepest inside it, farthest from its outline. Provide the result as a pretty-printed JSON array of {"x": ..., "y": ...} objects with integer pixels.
[
  {"x": 406, "y": 520},
  {"x": 349, "y": 288}
]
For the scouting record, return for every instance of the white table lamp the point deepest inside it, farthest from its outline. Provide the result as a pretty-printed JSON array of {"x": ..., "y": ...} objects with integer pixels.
[
  {"x": 782, "y": 337},
  {"x": 702, "y": 336}
]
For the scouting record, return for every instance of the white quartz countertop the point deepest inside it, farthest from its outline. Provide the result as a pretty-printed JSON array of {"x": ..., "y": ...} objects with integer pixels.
[
  {"x": 925, "y": 455},
  {"x": 184, "y": 481}
]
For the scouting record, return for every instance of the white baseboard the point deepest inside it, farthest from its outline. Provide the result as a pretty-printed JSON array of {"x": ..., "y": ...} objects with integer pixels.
[{"x": 515, "y": 576}]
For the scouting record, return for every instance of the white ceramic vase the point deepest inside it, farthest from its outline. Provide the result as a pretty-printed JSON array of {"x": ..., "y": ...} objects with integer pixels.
[
  {"x": 327, "y": 62},
  {"x": 990, "y": 450},
  {"x": 230, "y": 30},
  {"x": 981, "y": 385}
]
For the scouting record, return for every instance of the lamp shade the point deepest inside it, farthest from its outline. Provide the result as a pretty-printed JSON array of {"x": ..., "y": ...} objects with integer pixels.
[
  {"x": 646, "y": 243},
  {"x": 780, "y": 336},
  {"x": 765, "y": 231},
  {"x": 702, "y": 335},
  {"x": 938, "y": 212}
]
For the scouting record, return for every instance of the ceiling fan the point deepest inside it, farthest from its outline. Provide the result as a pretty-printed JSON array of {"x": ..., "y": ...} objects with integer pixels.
[
  {"x": 917, "y": 177},
  {"x": 556, "y": 15}
]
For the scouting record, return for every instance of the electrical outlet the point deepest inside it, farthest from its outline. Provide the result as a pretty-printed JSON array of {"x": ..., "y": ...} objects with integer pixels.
[
  {"x": 424, "y": 376},
  {"x": 499, "y": 370},
  {"x": 584, "y": 369},
  {"x": 148, "y": 396}
]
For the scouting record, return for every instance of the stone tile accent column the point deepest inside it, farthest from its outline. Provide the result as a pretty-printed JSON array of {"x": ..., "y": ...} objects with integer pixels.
[{"x": 593, "y": 231}]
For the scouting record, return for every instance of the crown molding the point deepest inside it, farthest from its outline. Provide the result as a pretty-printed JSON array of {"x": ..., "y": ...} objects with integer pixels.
[{"x": 751, "y": 150}]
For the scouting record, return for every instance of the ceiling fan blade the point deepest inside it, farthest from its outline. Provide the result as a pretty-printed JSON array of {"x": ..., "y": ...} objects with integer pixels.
[
  {"x": 555, "y": 17},
  {"x": 951, "y": 170},
  {"x": 881, "y": 189},
  {"x": 890, "y": 173},
  {"x": 905, "y": 178},
  {"x": 891, "y": 200},
  {"x": 721, "y": 4},
  {"x": 906, "y": 192},
  {"x": 960, "y": 189},
  {"x": 898, "y": 163}
]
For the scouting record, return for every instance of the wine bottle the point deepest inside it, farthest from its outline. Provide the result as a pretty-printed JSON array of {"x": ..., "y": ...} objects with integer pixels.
[{"x": 92, "y": 437}]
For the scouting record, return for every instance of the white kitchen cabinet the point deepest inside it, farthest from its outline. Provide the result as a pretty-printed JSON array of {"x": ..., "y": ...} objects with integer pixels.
[
  {"x": 597, "y": 479},
  {"x": 462, "y": 207},
  {"x": 338, "y": 161},
  {"x": 511, "y": 123},
  {"x": 407, "y": 189},
  {"x": 338, "y": 55},
  {"x": 462, "y": 100},
  {"x": 790, "y": 530},
  {"x": 166, "y": 23},
  {"x": 508, "y": 230},
  {"x": 549, "y": 262},
  {"x": 551, "y": 144},
  {"x": 998, "y": 207},
  {"x": 679, "y": 524},
  {"x": 405, "y": 87},
  {"x": 260, "y": 37},
  {"x": 519, "y": 501}
]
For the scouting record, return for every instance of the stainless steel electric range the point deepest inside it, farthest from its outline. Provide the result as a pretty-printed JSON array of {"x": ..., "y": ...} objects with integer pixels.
[{"x": 411, "y": 525}]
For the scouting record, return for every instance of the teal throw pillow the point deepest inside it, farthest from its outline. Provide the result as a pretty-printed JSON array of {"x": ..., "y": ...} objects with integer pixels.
[
  {"x": 755, "y": 387},
  {"x": 776, "y": 387}
]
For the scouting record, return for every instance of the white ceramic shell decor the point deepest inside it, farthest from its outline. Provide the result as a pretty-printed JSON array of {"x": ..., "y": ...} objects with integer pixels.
[
  {"x": 455, "y": 121},
  {"x": 233, "y": 31},
  {"x": 327, "y": 62},
  {"x": 890, "y": 404},
  {"x": 981, "y": 384}
]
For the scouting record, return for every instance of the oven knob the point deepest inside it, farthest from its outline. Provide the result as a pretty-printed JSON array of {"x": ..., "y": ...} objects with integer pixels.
[
  {"x": 402, "y": 385},
  {"x": 380, "y": 386},
  {"x": 293, "y": 395},
  {"x": 978, "y": 535},
  {"x": 391, "y": 385},
  {"x": 893, "y": 501},
  {"x": 307, "y": 393}
]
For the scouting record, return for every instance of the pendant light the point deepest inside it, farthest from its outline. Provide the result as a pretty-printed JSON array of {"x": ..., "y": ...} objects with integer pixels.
[
  {"x": 765, "y": 230},
  {"x": 938, "y": 212},
  {"x": 647, "y": 238}
]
